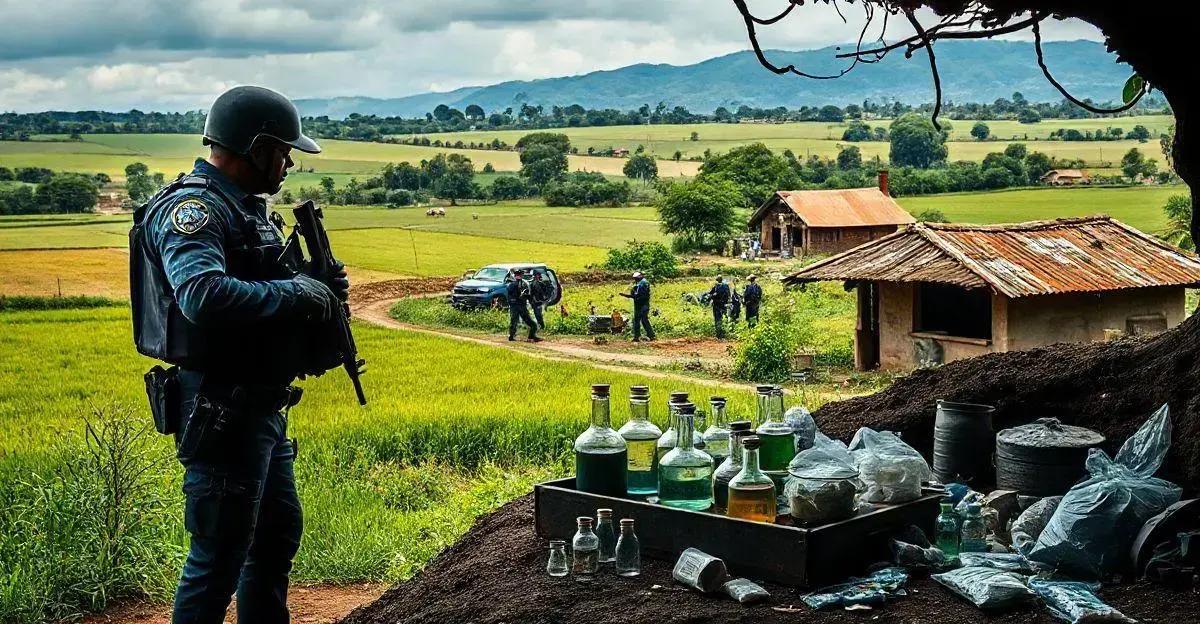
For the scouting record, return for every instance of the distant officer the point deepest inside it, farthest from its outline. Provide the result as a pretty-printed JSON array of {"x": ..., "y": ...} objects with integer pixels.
[
  {"x": 735, "y": 304},
  {"x": 640, "y": 294},
  {"x": 210, "y": 296},
  {"x": 752, "y": 299},
  {"x": 540, "y": 293},
  {"x": 517, "y": 293},
  {"x": 718, "y": 295}
]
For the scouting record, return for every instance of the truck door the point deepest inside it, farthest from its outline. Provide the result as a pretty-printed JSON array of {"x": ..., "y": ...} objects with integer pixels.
[{"x": 557, "y": 296}]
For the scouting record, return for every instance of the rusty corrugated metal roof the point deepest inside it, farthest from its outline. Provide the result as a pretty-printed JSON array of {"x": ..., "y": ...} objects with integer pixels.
[
  {"x": 1088, "y": 254},
  {"x": 860, "y": 207}
]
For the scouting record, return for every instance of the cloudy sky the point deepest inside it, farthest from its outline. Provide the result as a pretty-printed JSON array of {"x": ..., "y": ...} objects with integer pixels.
[{"x": 174, "y": 55}]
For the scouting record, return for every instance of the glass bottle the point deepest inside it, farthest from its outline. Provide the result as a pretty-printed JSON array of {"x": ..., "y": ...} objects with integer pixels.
[
  {"x": 607, "y": 536},
  {"x": 641, "y": 440},
  {"x": 775, "y": 435},
  {"x": 732, "y": 464},
  {"x": 685, "y": 473},
  {"x": 557, "y": 565},
  {"x": 666, "y": 441},
  {"x": 974, "y": 533},
  {"x": 716, "y": 437},
  {"x": 762, "y": 395},
  {"x": 752, "y": 492},
  {"x": 629, "y": 550},
  {"x": 585, "y": 551},
  {"x": 947, "y": 531},
  {"x": 601, "y": 456}
]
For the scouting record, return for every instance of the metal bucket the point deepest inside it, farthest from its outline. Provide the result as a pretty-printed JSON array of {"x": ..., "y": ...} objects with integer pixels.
[{"x": 963, "y": 442}]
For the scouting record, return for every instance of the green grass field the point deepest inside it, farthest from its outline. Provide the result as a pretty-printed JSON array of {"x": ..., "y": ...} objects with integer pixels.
[
  {"x": 824, "y": 139},
  {"x": 385, "y": 487}
]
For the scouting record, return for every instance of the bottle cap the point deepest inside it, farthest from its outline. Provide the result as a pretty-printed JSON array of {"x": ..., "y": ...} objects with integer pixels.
[
  {"x": 603, "y": 513},
  {"x": 686, "y": 408},
  {"x": 558, "y": 542},
  {"x": 639, "y": 392},
  {"x": 764, "y": 388},
  {"x": 717, "y": 401},
  {"x": 626, "y": 523},
  {"x": 600, "y": 390},
  {"x": 740, "y": 425},
  {"x": 740, "y": 433},
  {"x": 584, "y": 521},
  {"x": 777, "y": 391},
  {"x": 678, "y": 397},
  {"x": 751, "y": 442}
]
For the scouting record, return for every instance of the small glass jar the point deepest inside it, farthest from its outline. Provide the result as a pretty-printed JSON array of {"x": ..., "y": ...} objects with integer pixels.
[
  {"x": 557, "y": 565},
  {"x": 629, "y": 550},
  {"x": 606, "y": 535},
  {"x": 585, "y": 551}
]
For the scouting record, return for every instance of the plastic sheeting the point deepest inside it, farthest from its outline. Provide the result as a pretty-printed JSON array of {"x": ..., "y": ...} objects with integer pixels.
[
  {"x": 1093, "y": 527},
  {"x": 804, "y": 428},
  {"x": 1009, "y": 562},
  {"x": 1029, "y": 525},
  {"x": 986, "y": 588},
  {"x": 892, "y": 470},
  {"x": 1075, "y": 602}
]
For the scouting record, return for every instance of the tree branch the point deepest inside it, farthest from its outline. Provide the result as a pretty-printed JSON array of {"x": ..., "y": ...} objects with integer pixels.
[
  {"x": 937, "y": 79},
  {"x": 1041, "y": 59}
]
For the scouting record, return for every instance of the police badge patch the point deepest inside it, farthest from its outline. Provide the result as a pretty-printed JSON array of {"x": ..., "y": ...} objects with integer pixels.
[{"x": 189, "y": 216}]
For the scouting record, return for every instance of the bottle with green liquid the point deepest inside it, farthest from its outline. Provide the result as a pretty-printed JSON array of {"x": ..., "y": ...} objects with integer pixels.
[
  {"x": 601, "y": 455},
  {"x": 666, "y": 441},
  {"x": 685, "y": 473},
  {"x": 641, "y": 440},
  {"x": 947, "y": 531},
  {"x": 776, "y": 436}
]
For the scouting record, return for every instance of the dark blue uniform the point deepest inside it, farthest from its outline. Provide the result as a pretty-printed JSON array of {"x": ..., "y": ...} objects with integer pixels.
[
  {"x": 719, "y": 297},
  {"x": 210, "y": 296},
  {"x": 752, "y": 298},
  {"x": 640, "y": 293},
  {"x": 517, "y": 293},
  {"x": 540, "y": 292}
]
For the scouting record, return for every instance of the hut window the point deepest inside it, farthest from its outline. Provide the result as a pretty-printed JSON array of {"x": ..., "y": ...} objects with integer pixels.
[{"x": 962, "y": 312}]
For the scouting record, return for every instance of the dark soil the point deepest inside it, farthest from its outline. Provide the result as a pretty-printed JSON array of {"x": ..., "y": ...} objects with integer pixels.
[
  {"x": 1110, "y": 387},
  {"x": 496, "y": 574}
]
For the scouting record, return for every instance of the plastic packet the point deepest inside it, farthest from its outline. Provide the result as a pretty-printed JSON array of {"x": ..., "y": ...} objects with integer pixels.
[
  {"x": 892, "y": 470},
  {"x": 1075, "y": 602},
  {"x": 1029, "y": 525},
  {"x": 873, "y": 589},
  {"x": 1010, "y": 562},
  {"x": 914, "y": 556},
  {"x": 1097, "y": 520},
  {"x": 745, "y": 591},
  {"x": 986, "y": 588},
  {"x": 804, "y": 428}
]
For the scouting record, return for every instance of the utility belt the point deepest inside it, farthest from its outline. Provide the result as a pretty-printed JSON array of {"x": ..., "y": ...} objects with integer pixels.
[{"x": 223, "y": 399}]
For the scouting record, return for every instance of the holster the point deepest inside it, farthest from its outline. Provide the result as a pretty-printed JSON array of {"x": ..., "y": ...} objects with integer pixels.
[{"x": 162, "y": 389}]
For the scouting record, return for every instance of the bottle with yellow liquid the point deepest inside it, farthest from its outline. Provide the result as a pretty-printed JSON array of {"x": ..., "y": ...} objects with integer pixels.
[
  {"x": 751, "y": 492},
  {"x": 641, "y": 439}
]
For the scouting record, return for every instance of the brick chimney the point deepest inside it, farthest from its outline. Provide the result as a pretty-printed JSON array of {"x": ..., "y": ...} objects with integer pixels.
[{"x": 883, "y": 181}]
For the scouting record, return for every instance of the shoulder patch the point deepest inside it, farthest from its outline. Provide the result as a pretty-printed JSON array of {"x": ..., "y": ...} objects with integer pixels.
[{"x": 190, "y": 216}]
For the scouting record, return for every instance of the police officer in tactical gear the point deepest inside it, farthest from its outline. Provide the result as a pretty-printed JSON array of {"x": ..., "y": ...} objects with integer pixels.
[
  {"x": 540, "y": 294},
  {"x": 718, "y": 295},
  {"x": 752, "y": 299},
  {"x": 518, "y": 294},
  {"x": 211, "y": 296},
  {"x": 640, "y": 293}
]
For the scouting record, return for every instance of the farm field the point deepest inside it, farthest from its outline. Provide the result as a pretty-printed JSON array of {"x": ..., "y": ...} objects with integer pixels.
[
  {"x": 443, "y": 440},
  {"x": 173, "y": 153},
  {"x": 824, "y": 139}
]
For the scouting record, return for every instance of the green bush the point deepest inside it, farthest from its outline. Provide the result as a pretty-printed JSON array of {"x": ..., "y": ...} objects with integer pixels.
[
  {"x": 10, "y": 303},
  {"x": 765, "y": 354},
  {"x": 650, "y": 257}
]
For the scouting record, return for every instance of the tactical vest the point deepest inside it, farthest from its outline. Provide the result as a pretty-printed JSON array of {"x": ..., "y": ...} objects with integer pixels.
[{"x": 264, "y": 351}]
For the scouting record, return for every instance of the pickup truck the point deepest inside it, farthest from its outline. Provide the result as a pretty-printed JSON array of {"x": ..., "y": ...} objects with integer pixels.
[{"x": 485, "y": 288}]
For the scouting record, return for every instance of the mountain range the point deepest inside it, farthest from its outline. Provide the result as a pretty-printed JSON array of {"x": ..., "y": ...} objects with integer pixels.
[{"x": 971, "y": 71}]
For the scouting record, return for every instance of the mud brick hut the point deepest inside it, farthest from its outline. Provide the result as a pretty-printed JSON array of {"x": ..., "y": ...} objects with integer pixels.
[
  {"x": 933, "y": 293},
  {"x": 798, "y": 223},
  {"x": 1065, "y": 177}
]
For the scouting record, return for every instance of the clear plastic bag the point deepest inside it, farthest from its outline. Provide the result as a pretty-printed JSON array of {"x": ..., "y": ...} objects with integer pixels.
[
  {"x": 1029, "y": 525},
  {"x": 822, "y": 484},
  {"x": 870, "y": 590},
  {"x": 1075, "y": 602},
  {"x": 1090, "y": 532},
  {"x": 921, "y": 557},
  {"x": 1009, "y": 562},
  {"x": 986, "y": 588},
  {"x": 803, "y": 427},
  {"x": 892, "y": 470}
]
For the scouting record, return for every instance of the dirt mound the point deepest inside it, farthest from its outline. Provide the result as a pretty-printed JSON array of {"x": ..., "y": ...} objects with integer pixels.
[
  {"x": 394, "y": 289},
  {"x": 1110, "y": 387},
  {"x": 496, "y": 574}
]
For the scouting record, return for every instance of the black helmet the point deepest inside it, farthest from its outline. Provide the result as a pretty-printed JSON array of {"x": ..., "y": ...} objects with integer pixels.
[{"x": 242, "y": 114}]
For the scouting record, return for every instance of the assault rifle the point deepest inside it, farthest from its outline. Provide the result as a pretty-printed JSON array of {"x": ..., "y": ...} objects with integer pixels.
[{"x": 323, "y": 266}]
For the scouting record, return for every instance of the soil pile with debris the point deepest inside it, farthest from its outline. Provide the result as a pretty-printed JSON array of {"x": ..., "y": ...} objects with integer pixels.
[
  {"x": 1111, "y": 387},
  {"x": 496, "y": 574}
]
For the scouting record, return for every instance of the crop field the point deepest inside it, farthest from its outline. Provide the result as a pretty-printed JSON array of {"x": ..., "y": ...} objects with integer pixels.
[
  {"x": 174, "y": 153},
  {"x": 443, "y": 440}
]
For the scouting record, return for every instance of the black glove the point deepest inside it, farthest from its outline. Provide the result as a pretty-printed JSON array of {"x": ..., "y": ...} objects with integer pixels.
[
  {"x": 316, "y": 301},
  {"x": 339, "y": 283}
]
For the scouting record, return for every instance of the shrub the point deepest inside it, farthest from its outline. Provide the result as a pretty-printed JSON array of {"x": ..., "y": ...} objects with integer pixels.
[
  {"x": 765, "y": 355},
  {"x": 585, "y": 189},
  {"x": 932, "y": 215},
  {"x": 650, "y": 257},
  {"x": 12, "y": 303}
]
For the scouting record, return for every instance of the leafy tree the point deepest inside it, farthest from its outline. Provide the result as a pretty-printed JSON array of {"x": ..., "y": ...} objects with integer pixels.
[
  {"x": 981, "y": 131},
  {"x": 678, "y": 156},
  {"x": 475, "y": 112},
  {"x": 558, "y": 141},
  {"x": 916, "y": 142},
  {"x": 138, "y": 183},
  {"x": 1136, "y": 166},
  {"x": 33, "y": 175},
  {"x": 831, "y": 113},
  {"x": 457, "y": 181},
  {"x": 584, "y": 188},
  {"x": 857, "y": 131},
  {"x": 650, "y": 257},
  {"x": 932, "y": 215},
  {"x": 849, "y": 158},
  {"x": 1037, "y": 165},
  {"x": 509, "y": 187},
  {"x": 998, "y": 178},
  {"x": 1013, "y": 165},
  {"x": 7, "y": 175},
  {"x": 1139, "y": 133},
  {"x": 396, "y": 198},
  {"x": 641, "y": 167},
  {"x": 1029, "y": 116},
  {"x": 702, "y": 213},
  {"x": 694, "y": 136},
  {"x": 754, "y": 170},
  {"x": 68, "y": 193},
  {"x": 1179, "y": 221},
  {"x": 543, "y": 163},
  {"x": 17, "y": 200},
  {"x": 1016, "y": 150},
  {"x": 488, "y": 168}
]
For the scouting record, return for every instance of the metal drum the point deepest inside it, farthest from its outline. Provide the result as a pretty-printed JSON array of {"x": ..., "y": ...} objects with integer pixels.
[
  {"x": 1043, "y": 458},
  {"x": 962, "y": 443}
]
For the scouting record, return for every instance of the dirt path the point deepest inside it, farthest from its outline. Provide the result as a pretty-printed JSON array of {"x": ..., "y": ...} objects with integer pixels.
[
  {"x": 375, "y": 311},
  {"x": 316, "y": 604}
]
